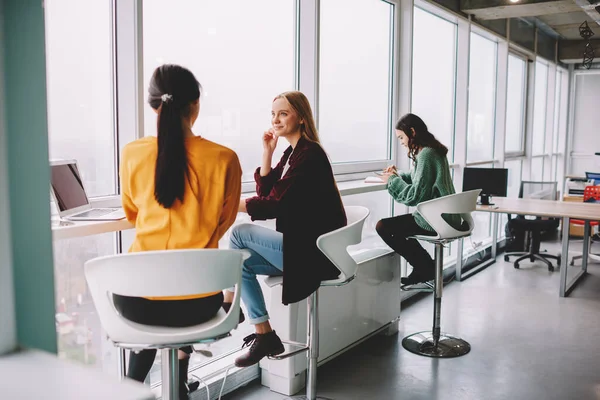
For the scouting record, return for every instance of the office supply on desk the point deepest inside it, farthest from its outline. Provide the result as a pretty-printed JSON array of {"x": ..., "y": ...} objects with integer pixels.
[
  {"x": 373, "y": 179},
  {"x": 594, "y": 177},
  {"x": 576, "y": 186},
  {"x": 491, "y": 181},
  {"x": 68, "y": 192}
]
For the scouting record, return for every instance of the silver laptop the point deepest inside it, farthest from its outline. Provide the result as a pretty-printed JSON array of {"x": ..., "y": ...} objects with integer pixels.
[{"x": 69, "y": 195}]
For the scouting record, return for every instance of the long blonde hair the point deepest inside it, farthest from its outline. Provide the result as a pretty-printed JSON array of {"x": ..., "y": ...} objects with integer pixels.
[{"x": 301, "y": 106}]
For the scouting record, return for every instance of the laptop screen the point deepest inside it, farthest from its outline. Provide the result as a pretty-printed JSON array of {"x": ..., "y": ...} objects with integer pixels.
[{"x": 67, "y": 186}]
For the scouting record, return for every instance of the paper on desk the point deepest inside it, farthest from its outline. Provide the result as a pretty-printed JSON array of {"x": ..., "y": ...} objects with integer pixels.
[{"x": 373, "y": 179}]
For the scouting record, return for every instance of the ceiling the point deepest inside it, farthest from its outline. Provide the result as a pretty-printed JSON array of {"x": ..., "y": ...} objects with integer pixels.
[{"x": 557, "y": 18}]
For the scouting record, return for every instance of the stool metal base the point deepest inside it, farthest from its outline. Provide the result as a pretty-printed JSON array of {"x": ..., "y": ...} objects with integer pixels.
[{"x": 421, "y": 343}]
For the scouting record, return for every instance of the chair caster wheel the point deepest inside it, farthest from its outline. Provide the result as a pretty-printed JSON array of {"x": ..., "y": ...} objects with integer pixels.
[
  {"x": 558, "y": 261},
  {"x": 516, "y": 265},
  {"x": 506, "y": 258},
  {"x": 572, "y": 263},
  {"x": 551, "y": 269}
]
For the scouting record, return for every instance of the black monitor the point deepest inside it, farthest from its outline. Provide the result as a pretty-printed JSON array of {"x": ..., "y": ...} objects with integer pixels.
[{"x": 491, "y": 181}]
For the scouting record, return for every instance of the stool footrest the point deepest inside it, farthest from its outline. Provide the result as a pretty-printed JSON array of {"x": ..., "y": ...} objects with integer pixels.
[
  {"x": 299, "y": 348},
  {"x": 418, "y": 287}
]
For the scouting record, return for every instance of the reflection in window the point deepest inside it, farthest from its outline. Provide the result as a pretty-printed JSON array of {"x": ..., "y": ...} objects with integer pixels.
[
  {"x": 482, "y": 99},
  {"x": 539, "y": 108},
  {"x": 515, "y": 104},
  {"x": 79, "y": 89},
  {"x": 355, "y": 84},
  {"x": 243, "y": 55},
  {"x": 78, "y": 330},
  {"x": 433, "y": 79}
]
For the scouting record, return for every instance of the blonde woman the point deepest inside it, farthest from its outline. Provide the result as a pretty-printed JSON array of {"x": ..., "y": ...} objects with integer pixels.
[{"x": 301, "y": 194}]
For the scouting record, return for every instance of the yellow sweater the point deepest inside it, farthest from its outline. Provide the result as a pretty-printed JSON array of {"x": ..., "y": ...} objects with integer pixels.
[{"x": 210, "y": 201}]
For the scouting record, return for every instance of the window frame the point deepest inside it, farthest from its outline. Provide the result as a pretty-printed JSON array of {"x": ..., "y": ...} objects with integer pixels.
[
  {"x": 521, "y": 152},
  {"x": 493, "y": 38},
  {"x": 447, "y": 17},
  {"x": 347, "y": 170}
]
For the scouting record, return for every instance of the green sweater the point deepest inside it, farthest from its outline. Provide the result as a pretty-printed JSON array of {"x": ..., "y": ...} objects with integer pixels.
[{"x": 429, "y": 179}]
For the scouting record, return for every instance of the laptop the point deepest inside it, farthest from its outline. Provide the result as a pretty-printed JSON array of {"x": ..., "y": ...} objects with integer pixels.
[{"x": 66, "y": 187}]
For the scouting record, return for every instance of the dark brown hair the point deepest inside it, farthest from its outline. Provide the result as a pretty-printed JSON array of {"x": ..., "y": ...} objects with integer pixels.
[
  {"x": 418, "y": 136},
  {"x": 172, "y": 90}
]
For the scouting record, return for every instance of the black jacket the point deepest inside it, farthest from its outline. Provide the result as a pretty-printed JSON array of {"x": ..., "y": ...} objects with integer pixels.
[{"x": 306, "y": 203}]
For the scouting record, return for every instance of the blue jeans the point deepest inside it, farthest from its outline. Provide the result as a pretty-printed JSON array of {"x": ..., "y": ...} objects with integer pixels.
[{"x": 266, "y": 249}]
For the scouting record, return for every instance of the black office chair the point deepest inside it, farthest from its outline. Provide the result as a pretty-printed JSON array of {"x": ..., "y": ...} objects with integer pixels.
[{"x": 534, "y": 228}]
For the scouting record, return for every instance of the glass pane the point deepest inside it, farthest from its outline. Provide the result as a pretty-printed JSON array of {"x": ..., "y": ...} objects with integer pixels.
[
  {"x": 564, "y": 99},
  {"x": 514, "y": 177},
  {"x": 482, "y": 99},
  {"x": 557, "y": 99},
  {"x": 539, "y": 108},
  {"x": 437, "y": 75},
  {"x": 537, "y": 165},
  {"x": 78, "y": 330},
  {"x": 355, "y": 79},
  {"x": 243, "y": 55},
  {"x": 515, "y": 104},
  {"x": 79, "y": 89}
]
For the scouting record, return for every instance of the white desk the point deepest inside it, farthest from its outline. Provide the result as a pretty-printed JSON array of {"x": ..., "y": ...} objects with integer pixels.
[
  {"x": 544, "y": 208},
  {"x": 67, "y": 230},
  {"x": 32, "y": 374}
]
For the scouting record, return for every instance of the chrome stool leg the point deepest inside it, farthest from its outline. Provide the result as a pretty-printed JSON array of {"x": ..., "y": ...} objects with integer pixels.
[
  {"x": 313, "y": 348},
  {"x": 434, "y": 343},
  {"x": 170, "y": 374}
]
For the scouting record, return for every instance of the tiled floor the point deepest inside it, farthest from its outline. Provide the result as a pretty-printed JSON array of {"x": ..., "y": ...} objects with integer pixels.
[{"x": 527, "y": 344}]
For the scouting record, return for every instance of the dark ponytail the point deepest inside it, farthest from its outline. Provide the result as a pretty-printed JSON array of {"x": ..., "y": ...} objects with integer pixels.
[
  {"x": 419, "y": 136},
  {"x": 172, "y": 90}
]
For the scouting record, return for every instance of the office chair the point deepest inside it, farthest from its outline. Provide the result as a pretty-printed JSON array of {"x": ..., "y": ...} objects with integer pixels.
[
  {"x": 335, "y": 246},
  {"x": 165, "y": 273},
  {"x": 534, "y": 227},
  {"x": 436, "y": 343}
]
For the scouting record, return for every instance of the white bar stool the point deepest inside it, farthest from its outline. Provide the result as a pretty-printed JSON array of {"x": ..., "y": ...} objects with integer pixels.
[
  {"x": 335, "y": 246},
  {"x": 161, "y": 274},
  {"x": 434, "y": 343}
]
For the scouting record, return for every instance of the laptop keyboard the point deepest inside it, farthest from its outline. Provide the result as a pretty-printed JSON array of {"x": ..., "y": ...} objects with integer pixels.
[{"x": 95, "y": 212}]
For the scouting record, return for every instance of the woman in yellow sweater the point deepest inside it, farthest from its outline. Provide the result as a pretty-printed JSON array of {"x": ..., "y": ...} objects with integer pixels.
[{"x": 182, "y": 192}]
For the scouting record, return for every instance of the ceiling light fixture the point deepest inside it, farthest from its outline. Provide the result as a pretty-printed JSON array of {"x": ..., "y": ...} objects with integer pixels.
[{"x": 514, "y": 1}]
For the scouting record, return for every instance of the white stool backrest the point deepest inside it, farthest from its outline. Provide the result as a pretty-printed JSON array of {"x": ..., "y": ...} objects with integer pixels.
[
  {"x": 460, "y": 203},
  {"x": 335, "y": 244},
  {"x": 158, "y": 274}
]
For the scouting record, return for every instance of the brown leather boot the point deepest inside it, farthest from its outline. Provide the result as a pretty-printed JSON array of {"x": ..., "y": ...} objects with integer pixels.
[{"x": 261, "y": 345}]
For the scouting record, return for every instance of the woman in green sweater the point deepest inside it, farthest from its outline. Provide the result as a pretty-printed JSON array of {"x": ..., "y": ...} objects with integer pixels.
[{"x": 429, "y": 179}]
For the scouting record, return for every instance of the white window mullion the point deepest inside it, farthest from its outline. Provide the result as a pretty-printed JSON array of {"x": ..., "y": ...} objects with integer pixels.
[
  {"x": 462, "y": 99},
  {"x": 501, "y": 95},
  {"x": 128, "y": 70}
]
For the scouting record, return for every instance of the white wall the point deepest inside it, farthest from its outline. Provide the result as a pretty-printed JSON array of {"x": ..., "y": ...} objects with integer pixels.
[
  {"x": 586, "y": 131},
  {"x": 8, "y": 337}
]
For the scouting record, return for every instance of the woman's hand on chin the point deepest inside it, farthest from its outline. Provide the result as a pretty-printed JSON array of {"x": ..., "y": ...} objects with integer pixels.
[{"x": 269, "y": 141}]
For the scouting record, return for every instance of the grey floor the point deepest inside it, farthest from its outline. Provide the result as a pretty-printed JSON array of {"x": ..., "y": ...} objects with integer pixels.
[{"x": 527, "y": 343}]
